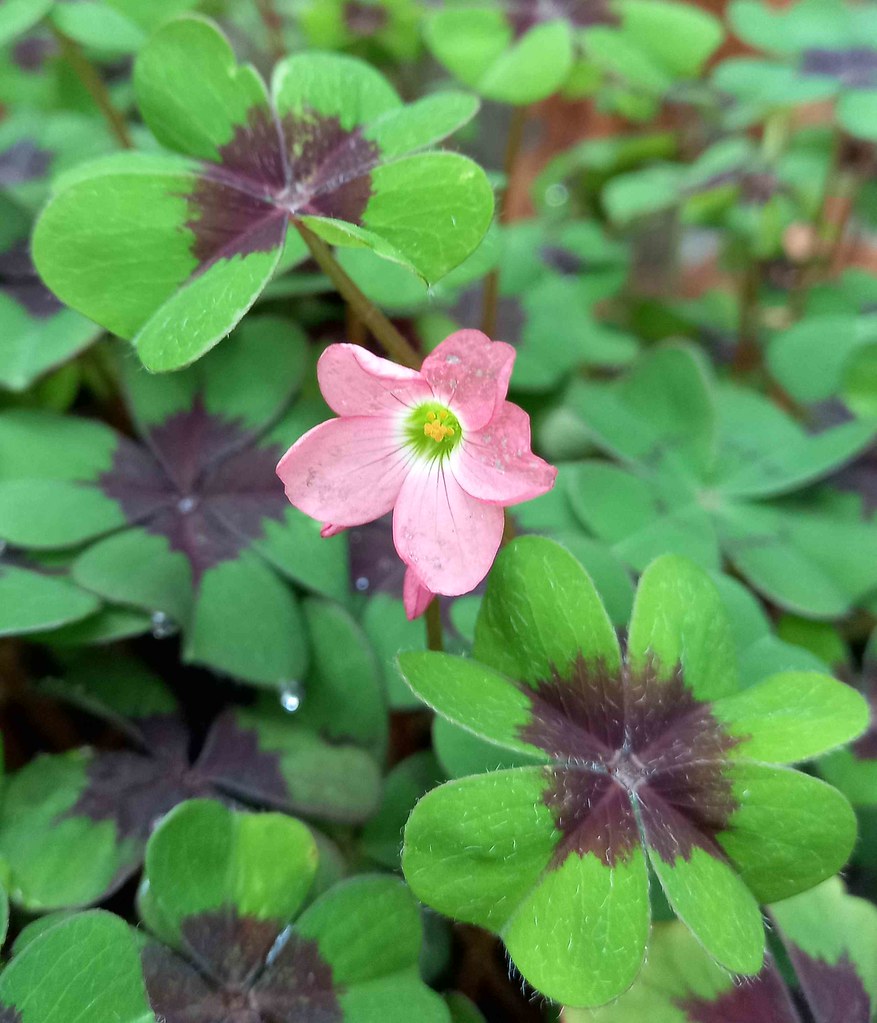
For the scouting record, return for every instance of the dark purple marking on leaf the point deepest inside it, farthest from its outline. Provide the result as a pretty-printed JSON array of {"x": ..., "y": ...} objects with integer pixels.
[
  {"x": 526, "y": 14},
  {"x": 229, "y": 948},
  {"x": 8, "y": 1014},
  {"x": 292, "y": 985},
  {"x": 365, "y": 20},
  {"x": 134, "y": 790},
  {"x": 834, "y": 991},
  {"x": 30, "y": 54},
  {"x": 270, "y": 170},
  {"x": 854, "y": 68},
  {"x": 860, "y": 477},
  {"x": 23, "y": 161},
  {"x": 330, "y": 168},
  {"x": 765, "y": 999},
  {"x": 203, "y": 484},
  {"x": 21, "y": 282},
  {"x": 228, "y": 222},
  {"x": 567, "y": 263},
  {"x": 297, "y": 985},
  {"x": 636, "y": 745},
  {"x": 375, "y": 567},
  {"x": 232, "y": 761}
]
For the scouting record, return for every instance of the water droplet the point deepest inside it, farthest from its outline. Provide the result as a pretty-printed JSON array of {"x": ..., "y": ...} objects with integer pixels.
[
  {"x": 556, "y": 194},
  {"x": 291, "y": 697},
  {"x": 362, "y": 584},
  {"x": 185, "y": 505},
  {"x": 162, "y": 625}
]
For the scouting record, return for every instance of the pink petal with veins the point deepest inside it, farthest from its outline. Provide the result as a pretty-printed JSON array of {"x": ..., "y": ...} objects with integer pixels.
[
  {"x": 449, "y": 538},
  {"x": 347, "y": 471},
  {"x": 470, "y": 374},
  {"x": 356, "y": 383},
  {"x": 496, "y": 464}
]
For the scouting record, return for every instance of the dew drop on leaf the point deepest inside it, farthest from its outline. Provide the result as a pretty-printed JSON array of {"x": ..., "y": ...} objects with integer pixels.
[
  {"x": 162, "y": 625},
  {"x": 291, "y": 697}
]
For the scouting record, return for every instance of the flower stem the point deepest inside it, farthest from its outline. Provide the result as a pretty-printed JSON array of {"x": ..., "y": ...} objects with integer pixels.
[
  {"x": 90, "y": 77},
  {"x": 390, "y": 339},
  {"x": 434, "y": 634},
  {"x": 274, "y": 26},
  {"x": 512, "y": 152},
  {"x": 747, "y": 356}
]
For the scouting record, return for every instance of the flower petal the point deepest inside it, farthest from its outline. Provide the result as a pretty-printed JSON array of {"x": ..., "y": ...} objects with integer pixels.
[
  {"x": 356, "y": 383},
  {"x": 496, "y": 464},
  {"x": 448, "y": 537},
  {"x": 415, "y": 595},
  {"x": 470, "y": 373},
  {"x": 347, "y": 471}
]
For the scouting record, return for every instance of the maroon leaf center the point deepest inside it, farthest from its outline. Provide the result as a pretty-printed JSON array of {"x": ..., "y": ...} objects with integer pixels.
[
  {"x": 273, "y": 169},
  {"x": 203, "y": 483},
  {"x": 636, "y": 759},
  {"x": 20, "y": 281},
  {"x": 526, "y": 14},
  {"x": 240, "y": 973},
  {"x": 854, "y": 68}
]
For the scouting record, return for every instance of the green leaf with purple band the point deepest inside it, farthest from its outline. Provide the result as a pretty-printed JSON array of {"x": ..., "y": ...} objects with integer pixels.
[
  {"x": 171, "y": 251},
  {"x": 831, "y": 942},
  {"x": 73, "y": 826},
  {"x": 222, "y": 889},
  {"x": 191, "y": 521},
  {"x": 658, "y": 754}
]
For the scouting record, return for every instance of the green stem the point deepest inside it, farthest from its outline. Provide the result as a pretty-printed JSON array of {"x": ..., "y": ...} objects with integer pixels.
[
  {"x": 514, "y": 142},
  {"x": 274, "y": 26},
  {"x": 434, "y": 634},
  {"x": 90, "y": 77},
  {"x": 390, "y": 339}
]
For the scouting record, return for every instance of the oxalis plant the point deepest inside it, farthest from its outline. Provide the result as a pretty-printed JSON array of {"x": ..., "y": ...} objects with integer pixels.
[{"x": 437, "y": 512}]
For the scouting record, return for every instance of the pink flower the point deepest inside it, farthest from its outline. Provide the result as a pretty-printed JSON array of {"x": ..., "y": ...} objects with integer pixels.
[{"x": 442, "y": 448}]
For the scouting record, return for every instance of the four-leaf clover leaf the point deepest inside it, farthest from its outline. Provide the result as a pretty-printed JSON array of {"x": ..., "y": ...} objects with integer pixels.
[{"x": 654, "y": 758}]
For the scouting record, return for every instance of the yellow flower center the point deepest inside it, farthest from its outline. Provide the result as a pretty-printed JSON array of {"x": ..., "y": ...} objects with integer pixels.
[{"x": 437, "y": 427}]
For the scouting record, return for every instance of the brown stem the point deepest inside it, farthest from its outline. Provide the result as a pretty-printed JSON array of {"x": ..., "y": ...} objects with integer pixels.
[
  {"x": 390, "y": 339},
  {"x": 514, "y": 142},
  {"x": 274, "y": 26},
  {"x": 434, "y": 634},
  {"x": 748, "y": 354},
  {"x": 90, "y": 77}
]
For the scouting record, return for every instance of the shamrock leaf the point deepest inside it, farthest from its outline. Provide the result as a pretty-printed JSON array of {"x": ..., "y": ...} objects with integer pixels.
[
  {"x": 812, "y": 371},
  {"x": 223, "y": 920},
  {"x": 37, "y": 333},
  {"x": 89, "y": 959},
  {"x": 854, "y": 770},
  {"x": 17, "y": 16},
  {"x": 115, "y": 26},
  {"x": 380, "y": 28},
  {"x": 830, "y": 937},
  {"x": 220, "y": 893},
  {"x": 191, "y": 522},
  {"x": 713, "y": 471},
  {"x": 33, "y": 600},
  {"x": 189, "y": 242},
  {"x": 516, "y": 51},
  {"x": 74, "y": 825},
  {"x": 656, "y": 757},
  {"x": 822, "y": 52}
]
